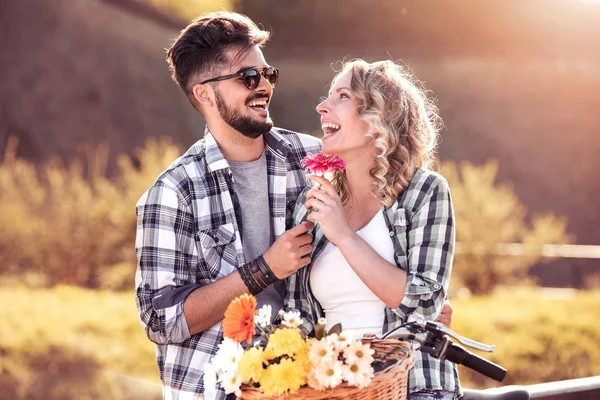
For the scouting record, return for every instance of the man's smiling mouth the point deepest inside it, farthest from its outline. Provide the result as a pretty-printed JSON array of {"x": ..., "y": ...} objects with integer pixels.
[{"x": 259, "y": 104}]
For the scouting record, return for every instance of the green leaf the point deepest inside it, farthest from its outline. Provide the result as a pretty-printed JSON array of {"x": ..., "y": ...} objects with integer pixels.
[{"x": 337, "y": 328}]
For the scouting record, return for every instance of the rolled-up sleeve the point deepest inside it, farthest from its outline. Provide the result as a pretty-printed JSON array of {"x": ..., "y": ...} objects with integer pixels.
[
  {"x": 166, "y": 251},
  {"x": 430, "y": 243}
]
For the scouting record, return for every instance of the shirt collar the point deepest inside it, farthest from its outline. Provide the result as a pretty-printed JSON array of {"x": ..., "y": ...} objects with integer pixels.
[
  {"x": 274, "y": 141},
  {"x": 214, "y": 156}
]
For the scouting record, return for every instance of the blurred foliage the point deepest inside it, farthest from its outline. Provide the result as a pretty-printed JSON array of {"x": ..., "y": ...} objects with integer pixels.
[
  {"x": 71, "y": 343},
  {"x": 555, "y": 337},
  {"x": 70, "y": 223},
  {"x": 429, "y": 27},
  {"x": 190, "y": 9},
  {"x": 488, "y": 214},
  {"x": 83, "y": 344}
]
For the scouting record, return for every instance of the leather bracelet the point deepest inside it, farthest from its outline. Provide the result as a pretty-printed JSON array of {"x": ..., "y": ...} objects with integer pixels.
[
  {"x": 253, "y": 286},
  {"x": 257, "y": 274},
  {"x": 266, "y": 271}
]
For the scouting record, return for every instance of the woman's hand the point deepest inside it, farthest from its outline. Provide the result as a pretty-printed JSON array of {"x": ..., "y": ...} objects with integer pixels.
[
  {"x": 327, "y": 210},
  {"x": 445, "y": 317}
]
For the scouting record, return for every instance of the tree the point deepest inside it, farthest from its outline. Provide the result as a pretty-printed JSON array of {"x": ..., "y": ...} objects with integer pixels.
[
  {"x": 488, "y": 216},
  {"x": 69, "y": 222}
]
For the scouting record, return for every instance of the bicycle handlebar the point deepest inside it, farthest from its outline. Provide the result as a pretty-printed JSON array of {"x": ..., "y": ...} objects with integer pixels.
[
  {"x": 459, "y": 355},
  {"x": 435, "y": 339}
]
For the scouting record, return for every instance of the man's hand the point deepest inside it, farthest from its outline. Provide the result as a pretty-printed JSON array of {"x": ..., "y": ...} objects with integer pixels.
[
  {"x": 291, "y": 251},
  {"x": 445, "y": 317}
]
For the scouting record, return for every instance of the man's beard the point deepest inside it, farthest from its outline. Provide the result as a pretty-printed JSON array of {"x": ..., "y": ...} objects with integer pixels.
[{"x": 242, "y": 123}]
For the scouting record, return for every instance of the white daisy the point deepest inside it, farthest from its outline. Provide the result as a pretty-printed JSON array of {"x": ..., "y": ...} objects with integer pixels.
[
  {"x": 263, "y": 318},
  {"x": 321, "y": 350},
  {"x": 231, "y": 383},
  {"x": 341, "y": 341},
  {"x": 359, "y": 353},
  {"x": 228, "y": 356},
  {"x": 329, "y": 373},
  {"x": 357, "y": 374},
  {"x": 292, "y": 319}
]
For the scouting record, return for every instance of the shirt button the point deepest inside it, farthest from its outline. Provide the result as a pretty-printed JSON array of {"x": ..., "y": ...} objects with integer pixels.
[{"x": 392, "y": 233}]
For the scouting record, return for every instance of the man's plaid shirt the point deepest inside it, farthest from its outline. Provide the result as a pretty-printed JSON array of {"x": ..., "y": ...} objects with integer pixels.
[
  {"x": 188, "y": 235},
  {"x": 421, "y": 225}
]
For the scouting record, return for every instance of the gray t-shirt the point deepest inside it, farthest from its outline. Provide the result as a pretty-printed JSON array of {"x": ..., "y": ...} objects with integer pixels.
[{"x": 251, "y": 185}]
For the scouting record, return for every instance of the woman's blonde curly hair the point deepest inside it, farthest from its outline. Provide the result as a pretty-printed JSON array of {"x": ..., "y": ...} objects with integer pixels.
[{"x": 400, "y": 118}]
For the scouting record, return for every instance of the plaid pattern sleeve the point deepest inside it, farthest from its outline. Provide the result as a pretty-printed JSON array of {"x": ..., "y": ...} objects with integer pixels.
[
  {"x": 423, "y": 229},
  {"x": 165, "y": 247},
  {"x": 430, "y": 244}
]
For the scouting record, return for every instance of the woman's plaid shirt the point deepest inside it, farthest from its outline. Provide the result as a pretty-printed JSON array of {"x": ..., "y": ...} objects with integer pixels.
[
  {"x": 188, "y": 235},
  {"x": 421, "y": 225}
]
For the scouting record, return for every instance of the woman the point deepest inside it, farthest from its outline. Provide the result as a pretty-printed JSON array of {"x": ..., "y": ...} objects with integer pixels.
[{"x": 384, "y": 245}]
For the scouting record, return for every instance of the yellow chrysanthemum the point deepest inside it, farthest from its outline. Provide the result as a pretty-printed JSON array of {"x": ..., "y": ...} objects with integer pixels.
[
  {"x": 285, "y": 341},
  {"x": 268, "y": 355},
  {"x": 251, "y": 365},
  {"x": 285, "y": 377},
  {"x": 302, "y": 358}
]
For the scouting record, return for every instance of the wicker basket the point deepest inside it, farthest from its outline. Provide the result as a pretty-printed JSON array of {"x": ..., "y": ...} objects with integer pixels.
[{"x": 387, "y": 384}]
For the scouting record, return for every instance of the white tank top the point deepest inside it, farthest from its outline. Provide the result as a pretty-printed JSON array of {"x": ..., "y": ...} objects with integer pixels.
[{"x": 342, "y": 294}]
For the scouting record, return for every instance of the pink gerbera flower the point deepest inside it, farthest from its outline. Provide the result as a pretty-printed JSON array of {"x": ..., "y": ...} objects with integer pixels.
[{"x": 323, "y": 165}]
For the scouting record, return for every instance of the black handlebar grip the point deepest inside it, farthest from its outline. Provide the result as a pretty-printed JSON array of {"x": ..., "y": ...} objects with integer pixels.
[{"x": 459, "y": 355}]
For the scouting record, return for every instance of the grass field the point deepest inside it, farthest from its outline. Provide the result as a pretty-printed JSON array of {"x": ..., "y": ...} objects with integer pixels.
[
  {"x": 71, "y": 343},
  {"x": 541, "y": 335}
]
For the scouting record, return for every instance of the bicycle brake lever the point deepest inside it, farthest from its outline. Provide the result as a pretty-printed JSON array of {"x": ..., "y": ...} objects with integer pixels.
[
  {"x": 463, "y": 340},
  {"x": 416, "y": 324},
  {"x": 436, "y": 327}
]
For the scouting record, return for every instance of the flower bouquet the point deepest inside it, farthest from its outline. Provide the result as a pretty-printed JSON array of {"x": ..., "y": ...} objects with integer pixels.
[{"x": 283, "y": 362}]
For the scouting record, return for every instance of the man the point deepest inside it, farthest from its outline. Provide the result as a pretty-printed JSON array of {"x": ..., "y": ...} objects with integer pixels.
[
  {"x": 213, "y": 225},
  {"x": 235, "y": 187}
]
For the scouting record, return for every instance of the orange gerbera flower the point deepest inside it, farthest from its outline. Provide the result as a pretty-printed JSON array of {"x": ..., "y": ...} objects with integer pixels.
[{"x": 239, "y": 319}]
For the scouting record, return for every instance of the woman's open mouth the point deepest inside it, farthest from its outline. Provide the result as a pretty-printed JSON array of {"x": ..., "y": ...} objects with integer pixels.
[{"x": 329, "y": 128}]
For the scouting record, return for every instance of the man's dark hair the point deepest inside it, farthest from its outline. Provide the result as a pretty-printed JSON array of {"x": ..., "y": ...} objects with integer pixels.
[{"x": 201, "y": 47}]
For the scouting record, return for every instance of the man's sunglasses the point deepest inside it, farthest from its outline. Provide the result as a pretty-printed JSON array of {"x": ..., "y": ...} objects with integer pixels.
[{"x": 251, "y": 77}]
